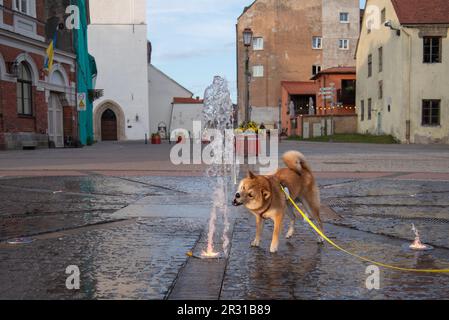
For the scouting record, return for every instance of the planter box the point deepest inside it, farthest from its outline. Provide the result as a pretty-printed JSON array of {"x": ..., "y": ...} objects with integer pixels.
[
  {"x": 247, "y": 145},
  {"x": 156, "y": 140}
]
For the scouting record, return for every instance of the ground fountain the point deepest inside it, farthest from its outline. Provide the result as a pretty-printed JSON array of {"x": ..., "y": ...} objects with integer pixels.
[
  {"x": 417, "y": 244},
  {"x": 217, "y": 118}
]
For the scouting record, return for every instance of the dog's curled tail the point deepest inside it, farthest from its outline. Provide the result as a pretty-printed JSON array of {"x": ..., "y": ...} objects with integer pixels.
[{"x": 295, "y": 160}]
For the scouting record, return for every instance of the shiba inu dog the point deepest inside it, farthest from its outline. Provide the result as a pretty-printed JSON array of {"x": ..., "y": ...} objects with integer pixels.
[{"x": 263, "y": 196}]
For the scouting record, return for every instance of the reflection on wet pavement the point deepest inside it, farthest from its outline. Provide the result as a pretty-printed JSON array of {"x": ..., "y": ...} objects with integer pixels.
[
  {"x": 305, "y": 270},
  {"x": 138, "y": 261},
  {"x": 390, "y": 207},
  {"x": 167, "y": 216}
]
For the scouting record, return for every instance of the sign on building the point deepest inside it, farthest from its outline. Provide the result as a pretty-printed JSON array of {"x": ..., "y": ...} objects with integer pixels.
[{"x": 81, "y": 101}]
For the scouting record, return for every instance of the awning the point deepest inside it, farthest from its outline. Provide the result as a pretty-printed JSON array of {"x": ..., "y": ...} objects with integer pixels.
[{"x": 300, "y": 87}]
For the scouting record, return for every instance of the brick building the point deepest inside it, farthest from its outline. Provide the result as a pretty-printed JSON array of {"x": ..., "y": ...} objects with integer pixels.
[
  {"x": 292, "y": 42},
  {"x": 36, "y": 109}
]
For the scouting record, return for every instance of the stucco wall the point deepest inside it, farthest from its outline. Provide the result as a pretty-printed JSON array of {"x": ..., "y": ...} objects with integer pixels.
[
  {"x": 393, "y": 75},
  {"x": 184, "y": 115},
  {"x": 118, "y": 11},
  {"x": 343, "y": 124},
  {"x": 429, "y": 81},
  {"x": 162, "y": 90},
  {"x": 334, "y": 30},
  {"x": 406, "y": 82}
]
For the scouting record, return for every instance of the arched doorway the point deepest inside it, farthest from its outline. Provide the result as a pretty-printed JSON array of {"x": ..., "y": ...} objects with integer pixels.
[
  {"x": 108, "y": 126},
  {"x": 99, "y": 111}
]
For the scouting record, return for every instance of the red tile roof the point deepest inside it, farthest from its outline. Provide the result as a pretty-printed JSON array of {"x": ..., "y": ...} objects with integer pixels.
[
  {"x": 422, "y": 11},
  {"x": 339, "y": 70},
  {"x": 179, "y": 100}
]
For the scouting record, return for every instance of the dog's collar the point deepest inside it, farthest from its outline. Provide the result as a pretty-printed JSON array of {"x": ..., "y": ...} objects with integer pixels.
[{"x": 269, "y": 205}]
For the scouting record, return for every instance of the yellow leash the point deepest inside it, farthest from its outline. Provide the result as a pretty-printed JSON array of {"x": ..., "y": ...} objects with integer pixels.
[{"x": 317, "y": 230}]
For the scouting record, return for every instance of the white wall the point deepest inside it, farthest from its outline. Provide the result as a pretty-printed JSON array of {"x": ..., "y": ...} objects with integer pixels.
[
  {"x": 120, "y": 50},
  {"x": 184, "y": 115},
  {"x": 118, "y": 11},
  {"x": 162, "y": 90},
  {"x": 269, "y": 116}
]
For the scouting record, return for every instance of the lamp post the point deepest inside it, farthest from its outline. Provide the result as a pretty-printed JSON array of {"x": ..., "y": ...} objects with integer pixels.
[{"x": 247, "y": 41}]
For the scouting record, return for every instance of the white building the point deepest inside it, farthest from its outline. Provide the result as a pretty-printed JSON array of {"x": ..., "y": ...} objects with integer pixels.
[
  {"x": 162, "y": 90},
  {"x": 118, "y": 40},
  {"x": 184, "y": 112}
]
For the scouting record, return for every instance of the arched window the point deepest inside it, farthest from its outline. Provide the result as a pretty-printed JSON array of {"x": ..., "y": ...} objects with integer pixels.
[{"x": 24, "y": 90}]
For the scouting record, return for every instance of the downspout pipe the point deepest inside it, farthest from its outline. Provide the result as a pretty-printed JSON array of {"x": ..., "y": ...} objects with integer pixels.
[{"x": 409, "y": 88}]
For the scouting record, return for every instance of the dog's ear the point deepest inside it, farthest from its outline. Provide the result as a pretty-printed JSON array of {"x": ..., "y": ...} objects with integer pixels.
[
  {"x": 266, "y": 194},
  {"x": 251, "y": 175}
]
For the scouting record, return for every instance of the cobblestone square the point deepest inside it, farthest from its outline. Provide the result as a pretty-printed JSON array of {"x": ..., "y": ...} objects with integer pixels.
[{"x": 129, "y": 224}]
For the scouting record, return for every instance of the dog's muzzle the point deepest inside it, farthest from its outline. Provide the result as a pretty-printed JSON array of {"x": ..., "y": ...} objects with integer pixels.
[{"x": 236, "y": 201}]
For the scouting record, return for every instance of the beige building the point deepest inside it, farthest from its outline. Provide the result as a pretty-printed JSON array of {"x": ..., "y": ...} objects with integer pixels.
[
  {"x": 403, "y": 70},
  {"x": 293, "y": 40}
]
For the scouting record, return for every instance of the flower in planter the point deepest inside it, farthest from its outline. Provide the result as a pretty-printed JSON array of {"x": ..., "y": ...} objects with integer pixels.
[{"x": 249, "y": 127}]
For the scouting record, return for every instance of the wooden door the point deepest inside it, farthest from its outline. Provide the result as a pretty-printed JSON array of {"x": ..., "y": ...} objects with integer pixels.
[{"x": 108, "y": 126}]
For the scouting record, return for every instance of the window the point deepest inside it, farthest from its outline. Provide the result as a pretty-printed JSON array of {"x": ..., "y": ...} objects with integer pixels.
[
  {"x": 432, "y": 49},
  {"x": 381, "y": 59},
  {"x": 362, "y": 110},
  {"x": 257, "y": 71},
  {"x": 21, "y": 6},
  {"x": 431, "y": 112},
  {"x": 258, "y": 43},
  {"x": 343, "y": 44},
  {"x": 24, "y": 90},
  {"x": 344, "y": 17},
  {"x": 346, "y": 95},
  {"x": 383, "y": 15},
  {"x": 370, "y": 108},
  {"x": 370, "y": 65},
  {"x": 317, "y": 43},
  {"x": 27, "y": 7},
  {"x": 381, "y": 89},
  {"x": 369, "y": 26},
  {"x": 316, "y": 69}
]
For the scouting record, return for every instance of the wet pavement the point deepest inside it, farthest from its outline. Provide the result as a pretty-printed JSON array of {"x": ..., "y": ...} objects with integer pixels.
[{"x": 129, "y": 237}]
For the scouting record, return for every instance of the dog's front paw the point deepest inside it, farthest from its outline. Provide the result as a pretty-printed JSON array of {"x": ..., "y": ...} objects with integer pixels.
[
  {"x": 273, "y": 249},
  {"x": 255, "y": 243}
]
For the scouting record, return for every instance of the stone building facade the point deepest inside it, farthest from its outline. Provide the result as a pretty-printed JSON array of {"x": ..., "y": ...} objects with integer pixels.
[{"x": 293, "y": 40}]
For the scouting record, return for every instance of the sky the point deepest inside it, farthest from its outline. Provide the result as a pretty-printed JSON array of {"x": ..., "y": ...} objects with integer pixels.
[{"x": 194, "y": 40}]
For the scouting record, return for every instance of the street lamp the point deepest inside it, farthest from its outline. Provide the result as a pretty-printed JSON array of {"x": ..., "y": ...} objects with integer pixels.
[{"x": 247, "y": 41}]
